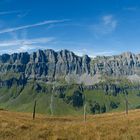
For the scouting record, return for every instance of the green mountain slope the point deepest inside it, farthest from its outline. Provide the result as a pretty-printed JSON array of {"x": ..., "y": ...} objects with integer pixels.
[{"x": 67, "y": 99}]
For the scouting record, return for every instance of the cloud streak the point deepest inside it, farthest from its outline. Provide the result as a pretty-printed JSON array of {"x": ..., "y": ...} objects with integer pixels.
[
  {"x": 25, "y": 42},
  {"x": 105, "y": 53},
  {"x": 94, "y": 54},
  {"x": 130, "y": 9},
  {"x": 23, "y": 14},
  {"x": 47, "y": 22},
  {"x": 9, "y": 12},
  {"x": 23, "y": 45}
]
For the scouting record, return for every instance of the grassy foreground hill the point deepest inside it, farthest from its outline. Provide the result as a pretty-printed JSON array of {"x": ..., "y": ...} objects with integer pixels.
[{"x": 109, "y": 126}]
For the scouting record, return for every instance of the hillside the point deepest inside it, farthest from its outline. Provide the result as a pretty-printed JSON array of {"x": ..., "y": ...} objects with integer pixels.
[
  {"x": 43, "y": 75},
  {"x": 69, "y": 99},
  {"x": 112, "y": 126}
]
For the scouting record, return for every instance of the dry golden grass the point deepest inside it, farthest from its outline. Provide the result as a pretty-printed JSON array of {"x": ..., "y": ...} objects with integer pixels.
[{"x": 115, "y": 126}]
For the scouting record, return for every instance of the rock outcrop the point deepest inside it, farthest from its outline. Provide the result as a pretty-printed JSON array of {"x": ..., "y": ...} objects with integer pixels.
[
  {"x": 125, "y": 64},
  {"x": 48, "y": 65}
]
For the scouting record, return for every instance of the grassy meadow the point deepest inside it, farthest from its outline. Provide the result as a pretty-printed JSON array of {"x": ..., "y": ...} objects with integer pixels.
[{"x": 109, "y": 126}]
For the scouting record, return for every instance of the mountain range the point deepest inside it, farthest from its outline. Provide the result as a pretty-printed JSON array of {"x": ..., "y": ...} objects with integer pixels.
[
  {"x": 104, "y": 81},
  {"x": 49, "y": 66}
]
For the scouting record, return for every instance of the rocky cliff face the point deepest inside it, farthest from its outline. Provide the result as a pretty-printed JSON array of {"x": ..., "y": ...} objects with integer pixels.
[
  {"x": 46, "y": 64},
  {"x": 125, "y": 64},
  {"x": 49, "y": 65}
]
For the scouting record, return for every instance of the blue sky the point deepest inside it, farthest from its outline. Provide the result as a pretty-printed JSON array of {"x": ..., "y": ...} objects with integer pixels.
[{"x": 93, "y": 27}]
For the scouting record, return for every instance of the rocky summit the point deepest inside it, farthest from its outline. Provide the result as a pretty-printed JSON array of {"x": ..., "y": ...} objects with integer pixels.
[{"x": 64, "y": 65}]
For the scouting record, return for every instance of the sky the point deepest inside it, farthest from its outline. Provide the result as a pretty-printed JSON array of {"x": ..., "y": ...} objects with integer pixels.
[{"x": 93, "y": 27}]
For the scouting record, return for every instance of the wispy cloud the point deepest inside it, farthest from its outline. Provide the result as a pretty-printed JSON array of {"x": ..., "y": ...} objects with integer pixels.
[
  {"x": 130, "y": 8},
  {"x": 22, "y": 42},
  {"x": 23, "y": 13},
  {"x": 9, "y": 12},
  {"x": 5, "y": 1},
  {"x": 94, "y": 54},
  {"x": 31, "y": 26},
  {"x": 17, "y": 50},
  {"x": 105, "y": 53},
  {"x": 26, "y": 48},
  {"x": 106, "y": 25},
  {"x": 23, "y": 45},
  {"x": 109, "y": 21}
]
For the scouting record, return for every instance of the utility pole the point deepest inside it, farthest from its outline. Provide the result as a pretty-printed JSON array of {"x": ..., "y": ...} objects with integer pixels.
[{"x": 34, "y": 110}]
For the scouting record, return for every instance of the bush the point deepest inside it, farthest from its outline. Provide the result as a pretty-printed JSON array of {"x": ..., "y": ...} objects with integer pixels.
[
  {"x": 96, "y": 108},
  {"x": 103, "y": 109},
  {"x": 114, "y": 105},
  {"x": 77, "y": 99}
]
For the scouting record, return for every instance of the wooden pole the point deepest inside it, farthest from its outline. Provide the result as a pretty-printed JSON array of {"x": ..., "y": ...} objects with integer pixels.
[
  {"x": 34, "y": 110},
  {"x": 51, "y": 105},
  {"x": 126, "y": 106},
  {"x": 85, "y": 115},
  {"x": 85, "y": 107},
  {"x": 52, "y": 101},
  {"x": 126, "y": 103}
]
